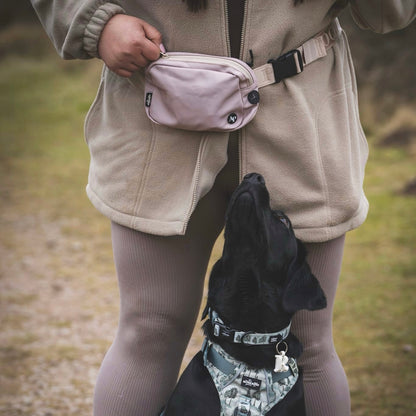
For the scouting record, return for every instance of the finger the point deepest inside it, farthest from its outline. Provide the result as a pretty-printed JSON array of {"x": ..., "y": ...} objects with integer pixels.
[
  {"x": 131, "y": 66},
  {"x": 141, "y": 61},
  {"x": 124, "y": 72},
  {"x": 151, "y": 51},
  {"x": 134, "y": 58},
  {"x": 152, "y": 33},
  {"x": 152, "y": 42}
]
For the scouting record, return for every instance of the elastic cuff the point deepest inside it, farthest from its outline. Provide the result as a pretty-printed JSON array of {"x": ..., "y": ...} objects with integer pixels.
[{"x": 96, "y": 25}]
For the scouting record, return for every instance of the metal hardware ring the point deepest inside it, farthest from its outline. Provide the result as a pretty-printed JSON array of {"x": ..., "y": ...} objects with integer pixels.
[{"x": 277, "y": 347}]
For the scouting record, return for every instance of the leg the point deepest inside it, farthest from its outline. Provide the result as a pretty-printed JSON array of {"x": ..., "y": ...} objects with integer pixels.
[
  {"x": 161, "y": 283},
  {"x": 325, "y": 382}
]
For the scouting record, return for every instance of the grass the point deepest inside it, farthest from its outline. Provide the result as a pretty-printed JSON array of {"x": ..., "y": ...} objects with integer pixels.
[
  {"x": 376, "y": 309},
  {"x": 43, "y": 171}
]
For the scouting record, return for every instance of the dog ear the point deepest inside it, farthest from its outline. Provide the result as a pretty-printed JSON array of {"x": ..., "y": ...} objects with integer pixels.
[
  {"x": 302, "y": 290},
  {"x": 216, "y": 277}
]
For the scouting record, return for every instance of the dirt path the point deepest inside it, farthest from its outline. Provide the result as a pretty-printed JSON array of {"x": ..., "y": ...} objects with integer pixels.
[{"x": 58, "y": 315}]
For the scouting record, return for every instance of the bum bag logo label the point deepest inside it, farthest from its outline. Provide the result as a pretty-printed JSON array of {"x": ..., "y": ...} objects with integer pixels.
[
  {"x": 232, "y": 118},
  {"x": 148, "y": 99}
]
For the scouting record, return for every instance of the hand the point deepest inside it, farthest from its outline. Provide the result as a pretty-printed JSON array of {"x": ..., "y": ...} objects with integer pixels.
[{"x": 128, "y": 44}]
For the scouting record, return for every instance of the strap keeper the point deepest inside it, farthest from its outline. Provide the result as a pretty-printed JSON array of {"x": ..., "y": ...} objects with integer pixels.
[{"x": 287, "y": 65}]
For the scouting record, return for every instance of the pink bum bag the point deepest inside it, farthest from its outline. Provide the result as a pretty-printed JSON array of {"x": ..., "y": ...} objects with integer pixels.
[{"x": 200, "y": 92}]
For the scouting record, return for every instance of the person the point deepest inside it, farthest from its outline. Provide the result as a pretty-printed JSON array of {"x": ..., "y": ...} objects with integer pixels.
[{"x": 166, "y": 191}]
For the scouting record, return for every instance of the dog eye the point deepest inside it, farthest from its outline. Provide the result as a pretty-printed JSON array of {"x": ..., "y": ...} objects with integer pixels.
[
  {"x": 282, "y": 219},
  {"x": 285, "y": 221}
]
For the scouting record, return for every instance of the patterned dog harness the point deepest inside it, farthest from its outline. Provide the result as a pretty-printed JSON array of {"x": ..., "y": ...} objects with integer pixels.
[{"x": 243, "y": 390}]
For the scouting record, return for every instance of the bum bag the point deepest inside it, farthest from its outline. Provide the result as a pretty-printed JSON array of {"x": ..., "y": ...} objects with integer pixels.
[
  {"x": 215, "y": 93},
  {"x": 200, "y": 92}
]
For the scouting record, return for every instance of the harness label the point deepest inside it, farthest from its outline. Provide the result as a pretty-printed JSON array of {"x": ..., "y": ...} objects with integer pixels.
[
  {"x": 275, "y": 339},
  {"x": 251, "y": 383}
]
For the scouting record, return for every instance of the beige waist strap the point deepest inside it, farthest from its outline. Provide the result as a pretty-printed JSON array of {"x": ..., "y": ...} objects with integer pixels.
[{"x": 312, "y": 50}]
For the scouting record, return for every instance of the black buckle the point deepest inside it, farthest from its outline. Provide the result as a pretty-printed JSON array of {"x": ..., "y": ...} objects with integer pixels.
[
  {"x": 223, "y": 331},
  {"x": 287, "y": 65}
]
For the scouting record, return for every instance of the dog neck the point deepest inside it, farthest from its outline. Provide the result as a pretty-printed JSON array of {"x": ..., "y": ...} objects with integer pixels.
[
  {"x": 235, "y": 336},
  {"x": 260, "y": 354}
]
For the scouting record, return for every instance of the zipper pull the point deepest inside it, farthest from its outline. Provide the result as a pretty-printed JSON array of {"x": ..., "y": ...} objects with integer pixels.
[{"x": 162, "y": 51}]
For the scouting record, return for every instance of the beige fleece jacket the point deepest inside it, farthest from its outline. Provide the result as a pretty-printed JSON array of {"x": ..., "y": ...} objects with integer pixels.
[{"x": 306, "y": 138}]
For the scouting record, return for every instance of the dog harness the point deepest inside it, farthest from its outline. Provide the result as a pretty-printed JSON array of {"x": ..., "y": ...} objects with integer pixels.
[{"x": 244, "y": 390}]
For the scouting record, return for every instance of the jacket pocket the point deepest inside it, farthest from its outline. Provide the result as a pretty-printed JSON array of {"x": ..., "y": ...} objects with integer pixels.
[
  {"x": 94, "y": 106},
  {"x": 343, "y": 153}
]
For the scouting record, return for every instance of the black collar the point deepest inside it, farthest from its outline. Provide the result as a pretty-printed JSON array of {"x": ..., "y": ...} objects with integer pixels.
[{"x": 222, "y": 331}]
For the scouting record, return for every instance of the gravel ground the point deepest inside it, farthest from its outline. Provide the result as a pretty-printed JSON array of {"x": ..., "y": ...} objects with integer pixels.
[{"x": 58, "y": 316}]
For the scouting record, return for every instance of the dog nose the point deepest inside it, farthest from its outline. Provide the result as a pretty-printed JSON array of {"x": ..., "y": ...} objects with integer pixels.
[{"x": 254, "y": 178}]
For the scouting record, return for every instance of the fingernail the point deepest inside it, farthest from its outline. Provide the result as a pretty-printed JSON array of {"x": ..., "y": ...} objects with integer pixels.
[{"x": 162, "y": 48}]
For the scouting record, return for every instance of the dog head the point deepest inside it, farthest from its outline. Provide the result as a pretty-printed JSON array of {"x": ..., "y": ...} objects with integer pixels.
[{"x": 262, "y": 278}]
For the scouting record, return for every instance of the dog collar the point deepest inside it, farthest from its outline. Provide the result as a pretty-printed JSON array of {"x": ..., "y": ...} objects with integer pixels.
[{"x": 245, "y": 337}]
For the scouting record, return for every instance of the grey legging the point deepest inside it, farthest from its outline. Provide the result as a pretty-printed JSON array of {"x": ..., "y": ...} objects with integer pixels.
[{"x": 161, "y": 282}]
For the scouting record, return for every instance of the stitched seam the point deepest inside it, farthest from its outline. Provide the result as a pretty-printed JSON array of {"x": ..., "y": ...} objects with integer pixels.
[
  {"x": 97, "y": 100},
  {"x": 354, "y": 90},
  {"x": 242, "y": 153},
  {"x": 319, "y": 155},
  {"x": 139, "y": 199},
  {"x": 321, "y": 169},
  {"x": 194, "y": 199}
]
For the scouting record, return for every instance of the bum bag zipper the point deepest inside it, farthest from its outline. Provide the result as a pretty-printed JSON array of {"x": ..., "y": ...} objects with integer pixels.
[{"x": 215, "y": 60}]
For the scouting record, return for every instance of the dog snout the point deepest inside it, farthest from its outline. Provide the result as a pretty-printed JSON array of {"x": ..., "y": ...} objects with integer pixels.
[{"x": 255, "y": 178}]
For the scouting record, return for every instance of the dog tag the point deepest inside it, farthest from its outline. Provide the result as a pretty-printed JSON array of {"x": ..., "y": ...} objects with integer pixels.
[{"x": 280, "y": 363}]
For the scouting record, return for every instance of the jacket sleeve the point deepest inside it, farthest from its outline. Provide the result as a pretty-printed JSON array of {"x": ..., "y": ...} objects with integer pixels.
[
  {"x": 75, "y": 26},
  {"x": 383, "y": 16}
]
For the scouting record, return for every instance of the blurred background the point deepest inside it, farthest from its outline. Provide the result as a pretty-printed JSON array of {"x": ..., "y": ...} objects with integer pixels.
[{"x": 58, "y": 291}]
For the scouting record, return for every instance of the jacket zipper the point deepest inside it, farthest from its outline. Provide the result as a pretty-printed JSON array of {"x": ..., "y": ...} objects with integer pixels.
[
  {"x": 243, "y": 30},
  {"x": 239, "y": 169},
  {"x": 240, "y": 135},
  {"x": 227, "y": 27}
]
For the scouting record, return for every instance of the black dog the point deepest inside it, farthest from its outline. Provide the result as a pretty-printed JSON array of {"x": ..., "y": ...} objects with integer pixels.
[{"x": 247, "y": 366}]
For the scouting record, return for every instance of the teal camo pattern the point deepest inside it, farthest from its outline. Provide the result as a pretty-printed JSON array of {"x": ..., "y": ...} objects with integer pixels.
[{"x": 237, "y": 400}]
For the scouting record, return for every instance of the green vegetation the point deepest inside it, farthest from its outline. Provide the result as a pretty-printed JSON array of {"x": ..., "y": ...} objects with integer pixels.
[{"x": 58, "y": 294}]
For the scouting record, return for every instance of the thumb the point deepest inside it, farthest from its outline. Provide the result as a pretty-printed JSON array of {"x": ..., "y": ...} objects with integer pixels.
[{"x": 155, "y": 37}]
